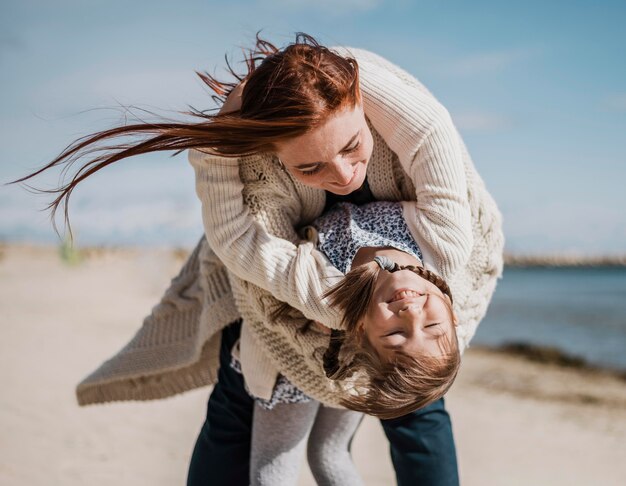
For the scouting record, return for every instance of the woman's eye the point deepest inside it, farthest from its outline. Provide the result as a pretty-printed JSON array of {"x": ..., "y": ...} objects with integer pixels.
[
  {"x": 352, "y": 149},
  {"x": 312, "y": 171},
  {"x": 433, "y": 324}
]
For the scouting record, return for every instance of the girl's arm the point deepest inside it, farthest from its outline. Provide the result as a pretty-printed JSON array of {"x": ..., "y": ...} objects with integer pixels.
[
  {"x": 420, "y": 131},
  {"x": 251, "y": 229}
]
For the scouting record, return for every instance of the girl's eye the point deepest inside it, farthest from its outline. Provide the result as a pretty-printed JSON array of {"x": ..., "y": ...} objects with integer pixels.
[{"x": 393, "y": 333}]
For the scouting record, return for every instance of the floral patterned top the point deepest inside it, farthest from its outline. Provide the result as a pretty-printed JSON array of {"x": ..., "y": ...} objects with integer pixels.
[{"x": 346, "y": 228}]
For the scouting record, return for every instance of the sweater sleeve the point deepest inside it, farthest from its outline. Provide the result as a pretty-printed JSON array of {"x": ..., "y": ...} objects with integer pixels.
[
  {"x": 260, "y": 244},
  {"x": 420, "y": 131}
]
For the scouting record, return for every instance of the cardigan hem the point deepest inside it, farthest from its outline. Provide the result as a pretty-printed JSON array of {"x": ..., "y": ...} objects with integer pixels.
[{"x": 158, "y": 384}]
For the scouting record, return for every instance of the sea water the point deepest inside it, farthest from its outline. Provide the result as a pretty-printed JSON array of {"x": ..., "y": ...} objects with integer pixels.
[{"x": 581, "y": 311}]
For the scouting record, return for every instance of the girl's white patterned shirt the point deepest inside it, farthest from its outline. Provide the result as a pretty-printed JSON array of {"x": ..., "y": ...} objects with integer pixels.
[{"x": 346, "y": 228}]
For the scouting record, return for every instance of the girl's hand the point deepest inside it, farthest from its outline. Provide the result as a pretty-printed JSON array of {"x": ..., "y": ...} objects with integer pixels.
[{"x": 233, "y": 102}]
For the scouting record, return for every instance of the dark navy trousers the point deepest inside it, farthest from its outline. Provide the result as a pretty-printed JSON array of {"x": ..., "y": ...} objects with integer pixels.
[{"x": 421, "y": 443}]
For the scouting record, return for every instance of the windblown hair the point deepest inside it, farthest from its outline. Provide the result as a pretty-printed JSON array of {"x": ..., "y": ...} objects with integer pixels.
[
  {"x": 287, "y": 92},
  {"x": 383, "y": 388}
]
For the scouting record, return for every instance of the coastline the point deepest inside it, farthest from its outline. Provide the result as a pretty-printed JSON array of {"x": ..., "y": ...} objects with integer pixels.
[
  {"x": 510, "y": 259},
  {"x": 550, "y": 356},
  {"x": 564, "y": 261}
]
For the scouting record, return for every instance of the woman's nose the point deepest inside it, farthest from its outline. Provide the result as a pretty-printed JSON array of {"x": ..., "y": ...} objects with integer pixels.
[{"x": 343, "y": 172}]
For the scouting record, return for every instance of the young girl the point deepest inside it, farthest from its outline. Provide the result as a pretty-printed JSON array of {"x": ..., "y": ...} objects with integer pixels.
[
  {"x": 301, "y": 132},
  {"x": 400, "y": 328}
]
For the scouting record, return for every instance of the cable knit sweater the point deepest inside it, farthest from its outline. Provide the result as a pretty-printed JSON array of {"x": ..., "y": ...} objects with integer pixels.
[{"x": 251, "y": 209}]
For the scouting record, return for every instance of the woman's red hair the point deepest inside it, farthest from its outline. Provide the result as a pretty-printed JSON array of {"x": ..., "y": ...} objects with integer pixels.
[{"x": 287, "y": 92}]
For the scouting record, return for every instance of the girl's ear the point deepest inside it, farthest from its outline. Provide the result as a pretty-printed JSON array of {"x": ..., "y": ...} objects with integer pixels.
[
  {"x": 360, "y": 332},
  {"x": 449, "y": 302},
  {"x": 455, "y": 318},
  {"x": 360, "y": 325}
]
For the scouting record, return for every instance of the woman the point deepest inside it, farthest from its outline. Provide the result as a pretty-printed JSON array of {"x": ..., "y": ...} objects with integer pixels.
[{"x": 415, "y": 151}]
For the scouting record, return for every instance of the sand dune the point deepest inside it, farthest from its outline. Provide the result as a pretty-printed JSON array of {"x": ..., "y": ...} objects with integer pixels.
[{"x": 516, "y": 422}]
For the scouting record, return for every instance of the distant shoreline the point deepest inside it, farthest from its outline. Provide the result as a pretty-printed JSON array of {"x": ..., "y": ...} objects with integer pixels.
[
  {"x": 510, "y": 260},
  {"x": 562, "y": 261},
  {"x": 550, "y": 355}
]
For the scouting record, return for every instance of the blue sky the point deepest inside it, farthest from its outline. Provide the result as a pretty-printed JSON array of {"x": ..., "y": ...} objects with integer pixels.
[{"x": 538, "y": 90}]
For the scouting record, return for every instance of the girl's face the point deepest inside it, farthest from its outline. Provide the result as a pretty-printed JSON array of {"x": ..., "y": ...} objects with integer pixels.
[
  {"x": 408, "y": 313},
  {"x": 332, "y": 157}
]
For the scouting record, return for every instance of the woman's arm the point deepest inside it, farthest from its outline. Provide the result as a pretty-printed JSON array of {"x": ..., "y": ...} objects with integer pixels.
[
  {"x": 251, "y": 229},
  {"x": 420, "y": 131},
  {"x": 255, "y": 246}
]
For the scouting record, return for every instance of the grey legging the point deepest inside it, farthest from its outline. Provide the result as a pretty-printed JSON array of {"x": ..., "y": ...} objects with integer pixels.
[{"x": 279, "y": 437}]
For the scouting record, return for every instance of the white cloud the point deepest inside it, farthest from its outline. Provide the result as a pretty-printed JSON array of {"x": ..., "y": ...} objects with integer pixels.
[
  {"x": 615, "y": 102},
  {"x": 566, "y": 227},
  {"x": 106, "y": 85},
  {"x": 11, "y": 42},
  {"x": 137, "y": 203},
  {"x": 480, "y": 122},
  {"x": 488, "y": 62},
  {"x": 331, "y": 7}
]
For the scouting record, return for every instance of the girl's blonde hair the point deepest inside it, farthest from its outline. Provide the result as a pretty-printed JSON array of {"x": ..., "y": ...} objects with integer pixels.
[{"x": 383, "y": 388}]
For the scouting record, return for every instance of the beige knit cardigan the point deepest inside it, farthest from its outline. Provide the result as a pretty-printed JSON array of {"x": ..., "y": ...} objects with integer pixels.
[{"x": 251, "y": 209}]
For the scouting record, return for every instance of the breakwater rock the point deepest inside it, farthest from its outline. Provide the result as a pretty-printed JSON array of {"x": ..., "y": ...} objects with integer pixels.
[{"x": 564, "y": 261}]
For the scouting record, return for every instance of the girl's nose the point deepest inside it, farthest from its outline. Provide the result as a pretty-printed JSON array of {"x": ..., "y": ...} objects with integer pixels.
[
  {"x": 415, "y": 307},
  {"x": 412, "y": 308}
]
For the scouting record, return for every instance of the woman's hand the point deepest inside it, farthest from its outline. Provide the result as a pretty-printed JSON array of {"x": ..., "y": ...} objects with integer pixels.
[
  {"x": 320, "y": 327},
  {"x": 233, "y": 102}
]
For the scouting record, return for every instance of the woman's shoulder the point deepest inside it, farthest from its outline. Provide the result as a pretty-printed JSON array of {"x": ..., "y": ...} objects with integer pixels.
[
  {"x": 384, "y": 83},
  {"x": 371, "y": 61},
  {"x": 360, "y": 54}
]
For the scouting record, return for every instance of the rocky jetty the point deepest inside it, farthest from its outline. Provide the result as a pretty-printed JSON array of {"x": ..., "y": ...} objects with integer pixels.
[{"x": 564, "y": 261}]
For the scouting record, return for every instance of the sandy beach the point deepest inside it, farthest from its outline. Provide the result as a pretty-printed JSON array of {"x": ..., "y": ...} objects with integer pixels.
[{"x": 516, "y": 422}]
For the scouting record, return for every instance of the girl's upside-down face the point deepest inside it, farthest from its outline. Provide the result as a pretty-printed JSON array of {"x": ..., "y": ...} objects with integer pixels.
[{"x": 408, "y": 313}]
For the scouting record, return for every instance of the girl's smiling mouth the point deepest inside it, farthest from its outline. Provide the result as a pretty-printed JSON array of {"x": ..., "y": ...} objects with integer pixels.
[{"x": 405, "y": 294}]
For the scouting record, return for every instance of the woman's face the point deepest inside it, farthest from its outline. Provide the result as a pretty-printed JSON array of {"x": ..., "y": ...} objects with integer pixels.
[
  {"x": 332, "y": 157},
  {"x": 407, "y": 313}
]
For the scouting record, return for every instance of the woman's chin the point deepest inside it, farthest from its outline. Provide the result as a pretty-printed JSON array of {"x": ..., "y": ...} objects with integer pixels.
[
  {"x": 354, "y": 185},
  {"x": 341, "y": 191}
]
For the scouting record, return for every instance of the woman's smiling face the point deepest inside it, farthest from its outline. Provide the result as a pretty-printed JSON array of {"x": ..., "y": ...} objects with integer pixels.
[
  {"x": 408, "y": 313},
  {"x": 333, "y": 156}
]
